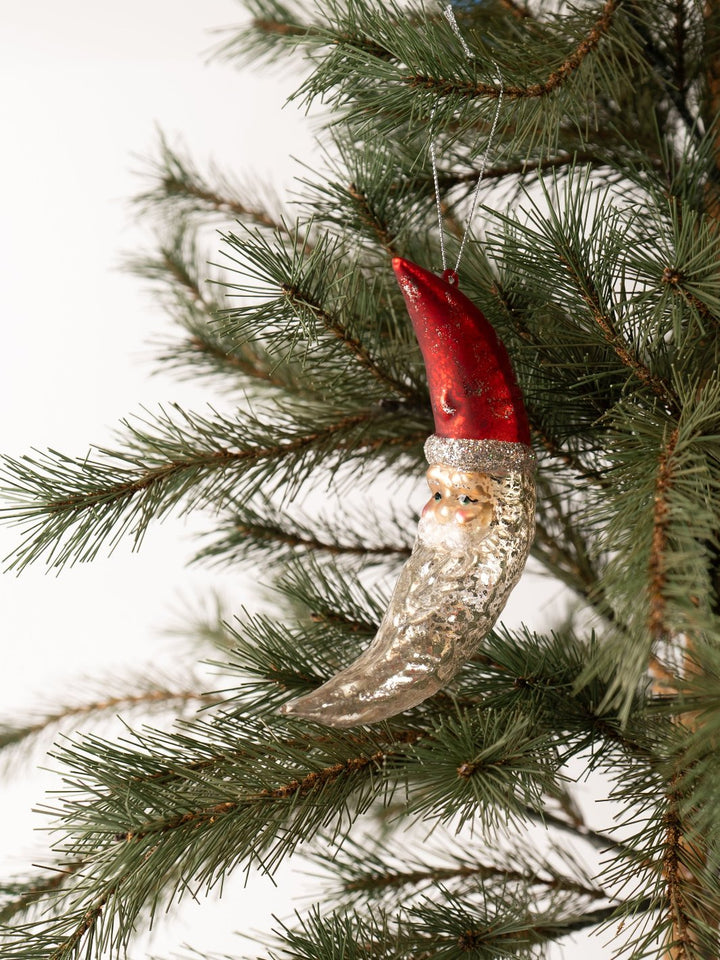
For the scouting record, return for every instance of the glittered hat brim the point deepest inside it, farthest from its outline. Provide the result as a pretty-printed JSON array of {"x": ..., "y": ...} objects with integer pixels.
[{"x": 495, "y": 457}]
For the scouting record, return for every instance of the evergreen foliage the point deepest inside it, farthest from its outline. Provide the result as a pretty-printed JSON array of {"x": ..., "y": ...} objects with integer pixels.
[{"x": 595, "y": 254}]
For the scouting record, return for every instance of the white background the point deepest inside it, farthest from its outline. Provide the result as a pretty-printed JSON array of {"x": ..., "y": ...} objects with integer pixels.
[{"x": 85, "y": 85}]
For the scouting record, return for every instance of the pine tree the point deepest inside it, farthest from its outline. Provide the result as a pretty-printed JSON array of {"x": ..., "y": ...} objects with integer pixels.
[{"x": 453, "y": 829}]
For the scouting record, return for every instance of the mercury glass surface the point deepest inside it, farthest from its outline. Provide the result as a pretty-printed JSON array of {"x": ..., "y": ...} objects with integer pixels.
[{"x": 448, "y": 596}]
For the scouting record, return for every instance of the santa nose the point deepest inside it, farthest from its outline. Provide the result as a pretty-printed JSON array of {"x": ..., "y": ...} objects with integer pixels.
[{"x": 447, "y": 509}]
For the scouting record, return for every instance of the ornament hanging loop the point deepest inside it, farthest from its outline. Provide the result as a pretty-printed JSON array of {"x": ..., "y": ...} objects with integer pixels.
[{"x": 452, "y": 275}]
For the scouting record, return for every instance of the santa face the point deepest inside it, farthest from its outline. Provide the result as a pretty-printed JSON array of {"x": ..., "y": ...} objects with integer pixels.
[{"x": 459, "y": 496}]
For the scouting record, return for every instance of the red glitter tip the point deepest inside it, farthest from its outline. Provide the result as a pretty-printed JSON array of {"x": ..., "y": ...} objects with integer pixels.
[{"x": 473, "y": 390}]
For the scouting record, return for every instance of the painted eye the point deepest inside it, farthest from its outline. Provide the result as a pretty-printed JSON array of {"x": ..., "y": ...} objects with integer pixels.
[
  {"x": 465, "y": 499},
  {"x": 438, "y": 496}
]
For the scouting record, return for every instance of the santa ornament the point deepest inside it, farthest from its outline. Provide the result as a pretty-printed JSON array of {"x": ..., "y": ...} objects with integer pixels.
[{"x": 475, "y": 531}]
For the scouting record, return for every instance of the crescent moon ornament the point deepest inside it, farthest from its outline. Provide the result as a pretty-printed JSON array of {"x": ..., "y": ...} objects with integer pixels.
[{"x": 475, "y": 531}]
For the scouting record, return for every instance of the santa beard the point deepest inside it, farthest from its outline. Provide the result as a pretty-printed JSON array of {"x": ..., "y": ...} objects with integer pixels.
[{"x": 448, "y": 596}]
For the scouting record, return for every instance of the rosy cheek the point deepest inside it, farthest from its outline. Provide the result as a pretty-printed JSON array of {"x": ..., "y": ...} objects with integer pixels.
[
  {"x": 429, "y": 507},
  {"x": 464, "y": 516}
]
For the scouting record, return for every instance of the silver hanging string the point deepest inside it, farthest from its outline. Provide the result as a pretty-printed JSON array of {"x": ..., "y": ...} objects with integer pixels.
[
  {"x": 438, "y": 204},
  {"x": 450, "y": 16}
]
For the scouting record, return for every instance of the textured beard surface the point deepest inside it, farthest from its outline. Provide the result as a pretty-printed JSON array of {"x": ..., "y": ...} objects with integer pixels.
[{"x": 448, "y": 596}]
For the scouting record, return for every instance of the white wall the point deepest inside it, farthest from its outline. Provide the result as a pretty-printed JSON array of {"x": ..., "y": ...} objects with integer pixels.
[{"x": 85, "y": 85}]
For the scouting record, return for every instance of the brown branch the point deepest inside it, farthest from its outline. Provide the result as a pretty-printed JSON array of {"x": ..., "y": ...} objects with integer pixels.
[
  {"x": 522, "y": 167},
  {"x": 250, "y": 364},
  {"x": 181, "y": 275},
  {"x": 554, "y": 81},
  {"x": 315, "y": 780},
  {"x": 46, "y": 885},
  {"x": 110, "y": 703},
  {"x": 682, "y": 857},
  {"x": 674, "y": 279},
  {"x": 354, "y": 346},
  {"x": 371, "y": 220},
  {"x": 679, "y": 858},
  {"x": 175, "y": 187},
  {"x": 656, "y": 384},
  {"x": 518, "y": 10},
  {"x": 225, "y": 456},
  {"x": 89, "y": 919},
  {"x": 335, "y": 618},
  {"x": 266, "y": 25},
  {"x": 479, "y": 871},
  {"x": 711, "y": 104},
  {"x": 657, "y": 566},
  {"x": 477, "y": 938},
  {"x": 305, "y": 743},
  {"x": 276, "y": 535},
  {"x": 514, "y": 316},
  {"x": 592, "y": 300},
  {"x": 311, "y": 31},
  {"x": 448, "y": 178}
]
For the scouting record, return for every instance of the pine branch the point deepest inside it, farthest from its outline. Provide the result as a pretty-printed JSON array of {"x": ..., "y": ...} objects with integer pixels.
[
  {"x": 671, "y": 870},
  {"x": 313, "y": 300},
  {"x": 371, "y": 219},
  {"x": 691, "y": 494},
  {"x": 174, "y": 275},
  {"x": 448, "y": 928},
  {"x": 605, "y": 288},
  {"x": 19, "y": 897},
  {"x": 277, "y": 662},
  {"x": 177, "y": 188},
  {"x": 259, "y": 802},
  {"x": 627, "y": 356},
  {"x": 188, "y": 837},
  {"x": 279, "y": 536},
  {"x": 302, "y": 302},
  {"x": 518, "y": 10},
  {"x": 554, "y": 80},
  {"x": 368, "y": 869},
  {"x": 330, "y": 596},
  {"x": 668, "y": 69},
  {"x": 524, "y": 169},
  {"x": 545, "y": 673},
  {"x": 574, "y": 243},
  {"x": 152, "y": 696},
  {"x": 684, "y": 858},
  {"x": 569, "y": 459},
  {"x": 391, "y": 65},
  {"x": 680, "y": 866},
  {"x": 68, "y": 508},
  {"x": 657, "y": 562}
]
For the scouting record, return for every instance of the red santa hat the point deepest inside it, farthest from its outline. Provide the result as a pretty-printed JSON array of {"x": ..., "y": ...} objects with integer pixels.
[{"x": 480, "y": 418}]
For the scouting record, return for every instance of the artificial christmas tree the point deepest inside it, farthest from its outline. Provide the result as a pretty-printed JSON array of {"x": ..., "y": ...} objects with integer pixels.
[{"x": 594, "y": 255}]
